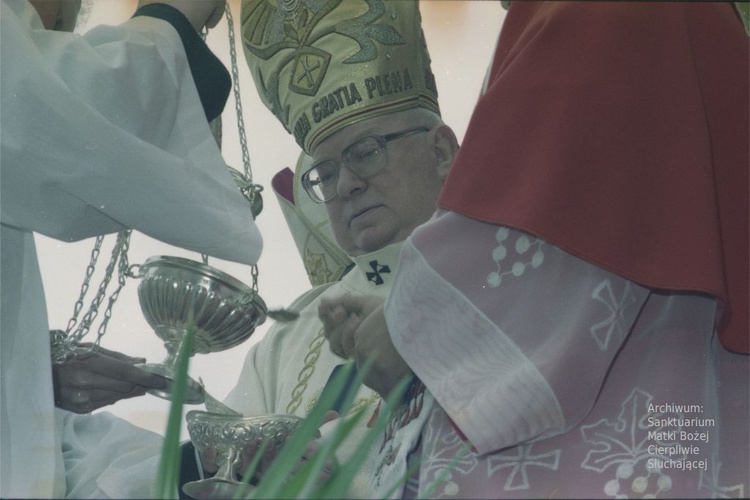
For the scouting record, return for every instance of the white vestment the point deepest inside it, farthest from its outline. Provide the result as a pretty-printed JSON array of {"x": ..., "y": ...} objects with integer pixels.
[
  {"x": 550, "y": 377},
  {"x": 100, "y": 133}
]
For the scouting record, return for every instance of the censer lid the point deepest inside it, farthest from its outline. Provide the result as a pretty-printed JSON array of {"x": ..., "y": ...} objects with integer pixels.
[{"x": 200, "y": 269}]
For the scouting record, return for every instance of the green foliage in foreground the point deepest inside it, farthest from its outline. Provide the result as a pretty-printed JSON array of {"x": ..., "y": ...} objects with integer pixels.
[
  {"x": 169, "y": 465},
  {"x": 280, "y": 481},
  {"x": 744, "y": 9},
  {"x": 288, "y": 476}
]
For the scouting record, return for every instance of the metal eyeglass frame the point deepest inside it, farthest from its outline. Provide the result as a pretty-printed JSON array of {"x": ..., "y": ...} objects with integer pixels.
[{"x": 382, "y": 140}]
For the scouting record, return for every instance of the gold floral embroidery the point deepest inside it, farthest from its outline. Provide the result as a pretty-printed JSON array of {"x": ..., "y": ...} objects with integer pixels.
[{"x": 357, "y": 405}]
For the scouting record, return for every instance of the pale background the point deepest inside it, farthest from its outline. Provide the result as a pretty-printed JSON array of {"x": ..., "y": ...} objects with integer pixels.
[{"x": 460, "y": 36}]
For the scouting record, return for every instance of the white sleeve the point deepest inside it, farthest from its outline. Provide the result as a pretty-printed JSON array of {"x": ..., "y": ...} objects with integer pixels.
[
  {"x": 513, "y": 336},
  {"x": 106, "y": 131}
]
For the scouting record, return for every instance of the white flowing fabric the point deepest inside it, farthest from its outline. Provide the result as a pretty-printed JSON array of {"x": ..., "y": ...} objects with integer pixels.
[
  {"x": 100, "y": 133},
  {"x": 97, "y": 448},
  {"x": 554, "y": 378}
]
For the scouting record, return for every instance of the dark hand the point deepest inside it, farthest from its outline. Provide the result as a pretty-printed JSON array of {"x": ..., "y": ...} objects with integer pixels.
[{"x": 99, "y": 378}]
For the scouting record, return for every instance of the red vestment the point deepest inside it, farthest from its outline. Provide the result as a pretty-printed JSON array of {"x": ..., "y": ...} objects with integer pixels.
[{"x": 626, "y": 147}]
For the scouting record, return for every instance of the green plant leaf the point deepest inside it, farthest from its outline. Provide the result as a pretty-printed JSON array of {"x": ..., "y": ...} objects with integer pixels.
[
  {"x": 276, "y": 478},
  {"x": 744, "y": 10},
  {"x": 286, "y": 478},
  {"x": 169, "y": 465},
  {"x": 339, "y": 486}
]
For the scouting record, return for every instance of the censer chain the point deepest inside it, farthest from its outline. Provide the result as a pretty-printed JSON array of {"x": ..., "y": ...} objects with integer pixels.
[
  {"x": 237, "y": 99},
  {"x": 67, "y": 343},
  {"x": 252, "y": 190}
]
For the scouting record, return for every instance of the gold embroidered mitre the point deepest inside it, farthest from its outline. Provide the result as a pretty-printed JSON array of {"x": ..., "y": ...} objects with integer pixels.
[{"x": 320, "y": 65}]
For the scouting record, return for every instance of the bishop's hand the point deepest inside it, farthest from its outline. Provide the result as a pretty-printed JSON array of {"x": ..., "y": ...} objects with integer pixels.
[{"x": 355, "y": 328}]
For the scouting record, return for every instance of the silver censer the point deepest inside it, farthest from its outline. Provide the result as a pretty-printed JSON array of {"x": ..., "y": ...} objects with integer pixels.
[
  {"x": 228, "y": 435},
  {"x": 178, "y": 294}
]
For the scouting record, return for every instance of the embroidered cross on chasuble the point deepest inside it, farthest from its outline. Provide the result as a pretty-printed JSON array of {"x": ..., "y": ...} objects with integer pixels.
[{"x": 377, "y": 270}]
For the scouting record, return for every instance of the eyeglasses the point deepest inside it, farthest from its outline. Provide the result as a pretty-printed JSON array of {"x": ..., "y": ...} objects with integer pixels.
[{"x": 365, "y": 158}]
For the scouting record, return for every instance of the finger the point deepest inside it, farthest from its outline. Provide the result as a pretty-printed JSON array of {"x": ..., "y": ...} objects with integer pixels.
[
  {"x": 123, "y": 371},
  {"x": 80, "y": 378},
  {"x": 75, "y": 401},
  {"x": 325, "y": 305},
  {"x": 215, "y": 16},
  {"x": 342, "y": 338},
  {"x": 343, "y": 302},
  {"x": 334, "y": 343},
  {"x": 208, "y": 460},
  {"x": 121, "y": 356},
  {"x": 84, "y": 401},
  {"x": 348, "y": 303},
  {"x": 311, "y": 449},
  {"x": 328, "y": 469},
  {"x": 333, "y": 335},
  {"x": 332, "y": 314},
  {"x": 102, "y": 397},
  {"x": 348, "y": 344},
  {"x": 102, "y": 401},
  {"x": 249, "y": 451},
  {"x": 330, "y": 416},
  {"x": 75, "y": 398},
  {"x": 143, "y": 378}
]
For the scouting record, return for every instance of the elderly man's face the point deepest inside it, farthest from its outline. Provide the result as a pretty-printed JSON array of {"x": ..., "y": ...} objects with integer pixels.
[{"x": 368, "y": 214}]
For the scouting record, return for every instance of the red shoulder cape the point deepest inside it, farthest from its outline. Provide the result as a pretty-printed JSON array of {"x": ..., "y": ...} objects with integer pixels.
[{"x": 619, "y": 132}]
